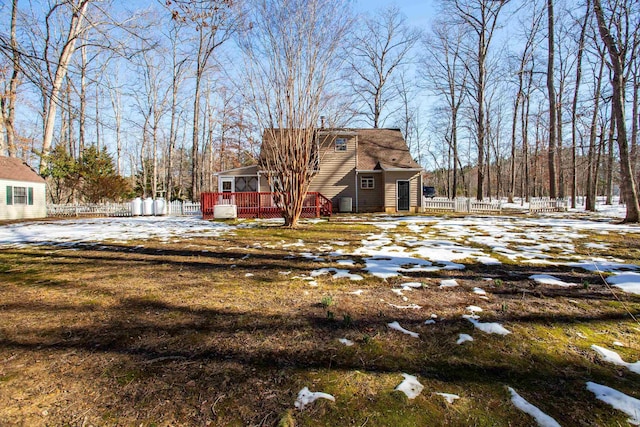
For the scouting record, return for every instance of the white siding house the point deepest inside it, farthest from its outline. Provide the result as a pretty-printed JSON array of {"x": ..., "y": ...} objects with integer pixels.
[{"x": 22, "y": 191}]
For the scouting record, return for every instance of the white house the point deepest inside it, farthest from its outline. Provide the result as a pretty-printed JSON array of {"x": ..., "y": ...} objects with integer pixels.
[{"x": 22, "y": 191}]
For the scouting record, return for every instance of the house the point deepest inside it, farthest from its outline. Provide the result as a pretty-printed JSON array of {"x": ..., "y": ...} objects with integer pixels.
[
  {"x": 359, "y": 170},
  {"x": 22, "y": 191}
]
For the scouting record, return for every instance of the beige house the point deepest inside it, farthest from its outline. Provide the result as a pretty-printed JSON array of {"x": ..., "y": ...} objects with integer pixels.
[
  {"x": 22, "y": 191},
  {"x": 359, "y": 170}
]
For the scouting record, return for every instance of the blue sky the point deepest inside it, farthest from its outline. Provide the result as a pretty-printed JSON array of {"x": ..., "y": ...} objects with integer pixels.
[{"x": 419, "y": 12}]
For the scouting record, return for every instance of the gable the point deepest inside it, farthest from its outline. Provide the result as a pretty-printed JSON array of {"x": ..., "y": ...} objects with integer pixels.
[{"x": 16, "y": 170}]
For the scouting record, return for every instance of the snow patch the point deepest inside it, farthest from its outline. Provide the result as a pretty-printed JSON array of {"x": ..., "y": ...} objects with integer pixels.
[
  {"x": 450, "y": 398},
  {"x": 541, "y": 418},
  {"x": 412, "y": 285},
  {"x": 620, "y": 401},
  {"x": 305, "y": 397},
  {"x": 337, "y": 274},
  {"x": 464, "y": 338},
  {"x": 410, "y": 386},
  {"x": 489, "y": 328},
  {"x": 628, "y": 282},
  {"x": 546, "y": 279},
  {"x": 346, "y": 342},
  {"x": 613, "y": 357},
  {"x": 448, "y": 283},
  {"x": 395, "y": 325}
]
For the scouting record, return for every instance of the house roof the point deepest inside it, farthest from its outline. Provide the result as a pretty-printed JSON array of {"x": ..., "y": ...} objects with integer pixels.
[
  {"x": 383, "y": 149},
  {"x": 16, "y": 170},
  {"x": 378, "y": 149},
  {"x": 242, "y": 171}
]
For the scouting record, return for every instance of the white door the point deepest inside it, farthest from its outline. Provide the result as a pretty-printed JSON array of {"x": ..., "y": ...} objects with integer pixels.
[{"x": 227, "y": 184}]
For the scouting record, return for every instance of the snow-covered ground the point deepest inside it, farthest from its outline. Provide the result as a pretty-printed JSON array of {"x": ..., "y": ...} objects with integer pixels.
[
  {"x": 401, "y": 245},
  {"x": 108, "y": 230}
]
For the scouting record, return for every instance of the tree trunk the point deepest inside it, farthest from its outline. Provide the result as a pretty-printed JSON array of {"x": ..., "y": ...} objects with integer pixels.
[
  {"x": 559, "y": 143},
  {"x": 82, "y": 113},
  {"x": 628, "y": 187},
  {"x": 591, "y": 184},
  {"x": 454, "y": 146},
  {"x": 514, "y": 122},
  {"x": 481, "y": 119},
  {"x": 608, "y": 183},
  {"x": 574, "y": 106},
  {"x": 552, "y": 103},
  {"x": 8, "y": 101}
]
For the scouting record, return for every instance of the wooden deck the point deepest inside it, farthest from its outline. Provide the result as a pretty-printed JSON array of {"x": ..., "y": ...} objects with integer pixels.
[{"x": 262, "y": 205}]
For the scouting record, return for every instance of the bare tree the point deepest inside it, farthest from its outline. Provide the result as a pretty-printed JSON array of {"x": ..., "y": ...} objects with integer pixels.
[
  {"x": 177, "y": 77},
  {"x": 57, "y": 64},
  {"x": 574, "y": 104},
  {"x": 525, "y": 60},
  {"x": 291, "y": 56},
  {"x": 381, "y": 47},
  {"x": 445, "y": 75},
  {"x": 481, "y": 19},
  {"x": 551, "y": 93},
  {"x": 592, "y": 162},
  {"x": 215, "y": 21},
  {"x": 618, "y": 32},
  {"x": 9, "y": 95}
]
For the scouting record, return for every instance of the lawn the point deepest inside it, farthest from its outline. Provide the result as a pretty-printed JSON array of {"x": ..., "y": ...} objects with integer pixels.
[{"x": 187, "y": 322}]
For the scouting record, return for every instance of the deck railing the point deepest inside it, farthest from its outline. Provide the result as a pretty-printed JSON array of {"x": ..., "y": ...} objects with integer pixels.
[{"x": 263, "y": 204}]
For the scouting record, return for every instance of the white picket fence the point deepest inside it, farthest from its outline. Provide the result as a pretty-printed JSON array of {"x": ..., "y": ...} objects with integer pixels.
[
  {"x": 175, "y": 208},
  {"x": 462, "y": 204},
  {"x": 178, "y": 208},
  {"x": 548, "y": 205}
]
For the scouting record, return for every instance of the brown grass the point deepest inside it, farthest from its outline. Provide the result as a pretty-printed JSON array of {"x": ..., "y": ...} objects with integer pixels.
[{"x": 168, "y": 334}]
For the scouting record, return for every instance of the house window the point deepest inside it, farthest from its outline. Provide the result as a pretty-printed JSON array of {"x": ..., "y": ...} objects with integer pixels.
[
  {"x": 19, "y": 195},
  {"x": 367, "y": 183},
  {"x": 252, "y": 184},
  {"x": 341, "y": 144}
]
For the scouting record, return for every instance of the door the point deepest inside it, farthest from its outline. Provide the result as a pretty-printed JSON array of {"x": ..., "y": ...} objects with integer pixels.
[
  {"x": 228, "y": 186},
  {"x": 403, "y": 195}
]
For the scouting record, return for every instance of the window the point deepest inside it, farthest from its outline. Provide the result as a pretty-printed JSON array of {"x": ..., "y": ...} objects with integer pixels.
[
  {"x": 227, "y": 186},
  {"x": 252, "y": 184},
  {"x": 341, "y": 144},
  {"x": 19, "y": 195},
  {"x": 367, "y": 183}
]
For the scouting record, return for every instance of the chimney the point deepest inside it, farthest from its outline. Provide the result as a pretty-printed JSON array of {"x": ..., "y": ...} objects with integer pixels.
[{"x": 321, "y": 122}]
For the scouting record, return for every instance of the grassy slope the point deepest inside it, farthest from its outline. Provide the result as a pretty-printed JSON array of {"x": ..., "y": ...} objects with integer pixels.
[{"x": 168, "y": 334}]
